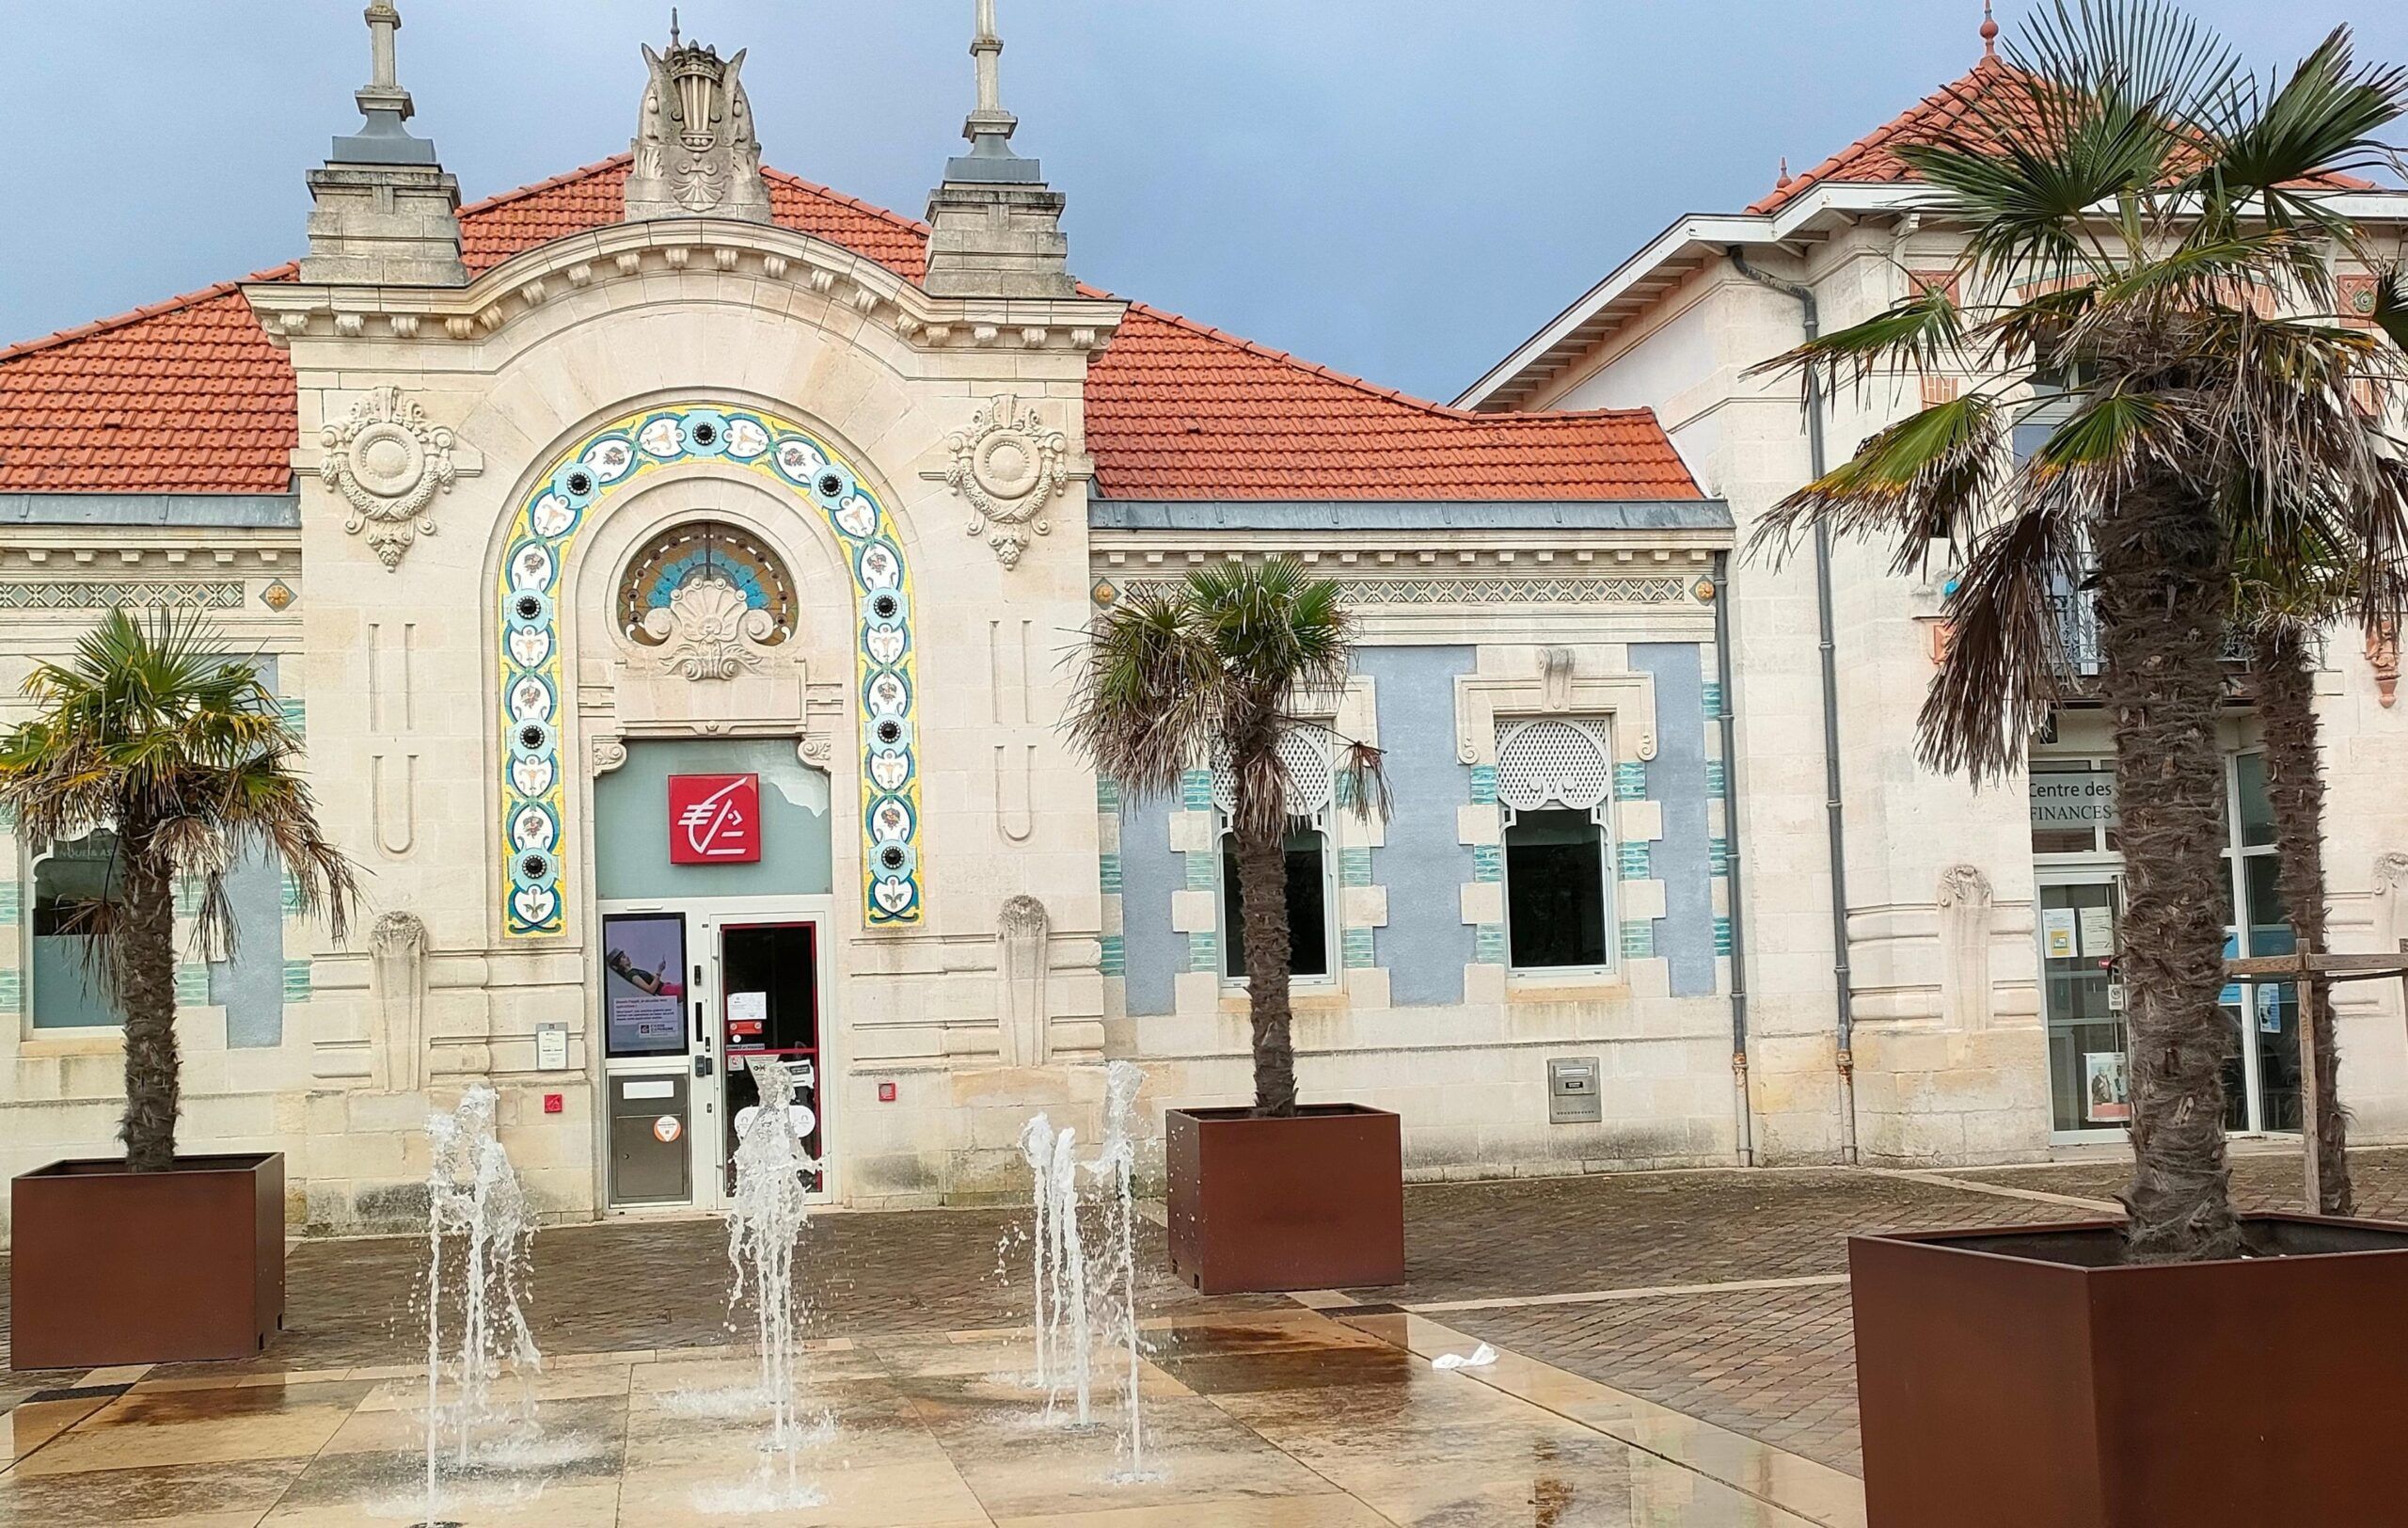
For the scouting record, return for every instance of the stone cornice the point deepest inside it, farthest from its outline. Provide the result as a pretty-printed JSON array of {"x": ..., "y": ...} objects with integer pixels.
[{"x": 765, "y": 263}]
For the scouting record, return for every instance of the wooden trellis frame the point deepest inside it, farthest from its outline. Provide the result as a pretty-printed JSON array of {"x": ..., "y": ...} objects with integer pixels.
[{"x": 2306, "y": 968}]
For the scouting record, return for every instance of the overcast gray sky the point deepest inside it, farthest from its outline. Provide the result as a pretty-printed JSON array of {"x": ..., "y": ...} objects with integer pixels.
[{"x": 1401, "y": 188}]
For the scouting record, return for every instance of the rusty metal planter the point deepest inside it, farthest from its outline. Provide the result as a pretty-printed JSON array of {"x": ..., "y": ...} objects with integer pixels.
[
  {"x": 2026, "y": 1378},
  {"x": 111, "y": 1267},
  {"x": 1311, "y": 1202}
]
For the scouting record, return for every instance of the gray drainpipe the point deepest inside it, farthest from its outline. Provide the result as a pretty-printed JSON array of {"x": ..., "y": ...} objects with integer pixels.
[
  {"x": 1834, "y": 818},
  {"x": 1743, "y": 1109}
]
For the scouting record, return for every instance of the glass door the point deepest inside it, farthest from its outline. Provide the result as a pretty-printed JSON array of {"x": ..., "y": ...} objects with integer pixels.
[
  {"x": 2089, "y": 1078},
  {"x": 770, "y": 1015},
  {"x": 659, "y": 1094}
]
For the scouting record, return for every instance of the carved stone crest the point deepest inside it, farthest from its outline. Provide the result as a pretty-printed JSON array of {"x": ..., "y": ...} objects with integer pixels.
[
  {"x": 389, "y": 461},
  {"x": 709, "y": 631},
  {"x": 694, "y": 153},
  {"x": 397, "y": 955},
  {"x": 1009, "y": 467},
  {"x": 1020, "y": 933}
]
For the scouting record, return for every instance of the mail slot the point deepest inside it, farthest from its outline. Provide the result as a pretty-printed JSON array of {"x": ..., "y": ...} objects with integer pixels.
[
  {"x": 651, "y": 1159},
  {"x": 1572, "y": 1095}
]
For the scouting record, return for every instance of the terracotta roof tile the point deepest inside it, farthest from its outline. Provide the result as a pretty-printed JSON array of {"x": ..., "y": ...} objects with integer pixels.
[
  {"x": 189, "y": 396},
  {"x": 1956, "y": 110}
]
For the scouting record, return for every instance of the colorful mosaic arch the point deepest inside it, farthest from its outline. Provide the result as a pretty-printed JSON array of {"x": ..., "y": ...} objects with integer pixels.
[{"x": 535, "y": 879}]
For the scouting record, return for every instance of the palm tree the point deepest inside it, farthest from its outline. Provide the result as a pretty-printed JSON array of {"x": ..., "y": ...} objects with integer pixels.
[
  {"x": 2146, "y": 277},
  {"x": 1217, "y": 670},
  {"x": 156, "y": 733}
]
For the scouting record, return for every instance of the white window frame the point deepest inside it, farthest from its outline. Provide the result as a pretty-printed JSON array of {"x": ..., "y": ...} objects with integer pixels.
[
  {"x": 28, "y": 892},
  {"x": 1321, "y": 821},
  {"x": 1601, "y": 812}
]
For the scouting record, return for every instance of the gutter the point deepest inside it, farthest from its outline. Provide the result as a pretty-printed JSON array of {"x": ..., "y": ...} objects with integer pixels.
[
  {"x": 1834, "y": 814},
  {"x": 1742, "y": 1103}
]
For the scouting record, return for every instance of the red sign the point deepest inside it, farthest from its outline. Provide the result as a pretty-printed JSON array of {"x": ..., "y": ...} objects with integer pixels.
[{"x": 714, "y": 819}]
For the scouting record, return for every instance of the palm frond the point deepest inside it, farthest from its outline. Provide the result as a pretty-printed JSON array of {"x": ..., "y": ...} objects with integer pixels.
[
  {"x": 1927, "y": 330},
  {"x": 2006, "y": 643},
  {"x": 1926, "y": 478}
]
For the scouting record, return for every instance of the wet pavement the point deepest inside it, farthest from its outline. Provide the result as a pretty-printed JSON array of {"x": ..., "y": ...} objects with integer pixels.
[{"x": 1675, "y": 1352}]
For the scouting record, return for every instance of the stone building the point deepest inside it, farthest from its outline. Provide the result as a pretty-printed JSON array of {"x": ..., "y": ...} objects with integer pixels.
[
  {"x": 1966, "y": 1004},
  {"x": 670, "y": 566}
]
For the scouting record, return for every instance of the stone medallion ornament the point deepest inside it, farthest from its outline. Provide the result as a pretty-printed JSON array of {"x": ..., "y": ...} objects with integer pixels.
[
  {"x": 389, "y": 461},
  {"x": 1009, "y": 467},
  {"x": 694, "y": 152}
]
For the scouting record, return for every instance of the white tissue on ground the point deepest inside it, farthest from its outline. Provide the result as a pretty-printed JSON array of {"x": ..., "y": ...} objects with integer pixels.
[{"x": 1479, "y": 1358}]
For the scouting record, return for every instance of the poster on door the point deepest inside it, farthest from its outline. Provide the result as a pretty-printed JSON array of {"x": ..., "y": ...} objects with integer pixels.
[
  {"x": 2058, "y": 934},
  {"x": 2107, "y": 1084},
  {"x": 643, "y": 984}
]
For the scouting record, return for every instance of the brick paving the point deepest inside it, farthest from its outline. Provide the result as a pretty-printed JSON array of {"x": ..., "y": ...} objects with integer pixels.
[
  {"x": 2261, "y": 1180},
  {"x": 1555, "y": 1236}
]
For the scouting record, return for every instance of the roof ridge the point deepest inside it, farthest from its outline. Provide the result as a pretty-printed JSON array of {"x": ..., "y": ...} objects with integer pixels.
[
  {"x": 520, "y": 193},
  {"x": 1958, "y": 90},
  {"x": 118, "y": 321},
  {"x": 1438, "y": 411},
  {"x": 797, "y": 182}
]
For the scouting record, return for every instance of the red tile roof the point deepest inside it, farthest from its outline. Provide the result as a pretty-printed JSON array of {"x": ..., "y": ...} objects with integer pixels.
[
  {"x": 189, "y": 396},
  {"x": 1959, "y": 111}
]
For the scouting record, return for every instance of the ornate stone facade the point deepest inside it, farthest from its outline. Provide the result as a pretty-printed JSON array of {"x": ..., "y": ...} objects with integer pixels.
[{"x": 694, "y": 152}]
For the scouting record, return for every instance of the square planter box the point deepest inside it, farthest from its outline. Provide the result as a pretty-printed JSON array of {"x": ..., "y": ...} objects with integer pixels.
[
  {"x": 2025, "y": 1379},
  {"x": 1314, "y": 1201},
  {"x": 112, "y": 1267}
]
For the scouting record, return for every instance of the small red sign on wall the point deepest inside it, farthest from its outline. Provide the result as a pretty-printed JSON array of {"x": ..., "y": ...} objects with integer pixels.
[{"x": 714, "y": 819}]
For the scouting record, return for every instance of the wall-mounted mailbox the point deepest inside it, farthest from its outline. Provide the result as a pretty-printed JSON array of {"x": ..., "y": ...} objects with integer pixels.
[{"x": 1572, "y": 1096}]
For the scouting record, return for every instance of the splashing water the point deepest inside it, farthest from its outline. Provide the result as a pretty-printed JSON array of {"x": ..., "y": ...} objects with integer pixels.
[
  {"x": 474, "y": 1198},
  {"x": 1083, "y": 1299},
  {"x": 764, "y": 1222}
]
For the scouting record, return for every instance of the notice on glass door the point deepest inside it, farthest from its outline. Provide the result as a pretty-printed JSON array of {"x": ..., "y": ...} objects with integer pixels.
[
  {"x": 2107, "y": 1083},
  {"x": 2057, "y": 937},
  {"x": 2099, "y": 932}
]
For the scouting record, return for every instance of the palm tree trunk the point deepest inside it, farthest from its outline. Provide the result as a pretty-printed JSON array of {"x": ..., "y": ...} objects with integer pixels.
[
  {"x": 147, "y": 991},
  {"x": 1262, "y": 897},
  {"x": 2163, "y": 602},
  {"x": 2295, "y": 786}
]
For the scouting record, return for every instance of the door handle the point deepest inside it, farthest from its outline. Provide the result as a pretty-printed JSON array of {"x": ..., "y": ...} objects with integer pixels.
[{"x": 702, "y": 1066}]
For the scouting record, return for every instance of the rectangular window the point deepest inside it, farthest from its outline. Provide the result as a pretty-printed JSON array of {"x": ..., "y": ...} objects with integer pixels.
[
  {"x": 1308, "y": 906},
  {"x": 71, "y": 883},
  {"x": 1555, "y": 890}
]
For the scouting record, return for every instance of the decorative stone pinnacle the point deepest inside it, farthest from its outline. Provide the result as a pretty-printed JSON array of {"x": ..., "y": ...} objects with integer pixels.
[
  {"x": 382, "y": 102},
  {"x": 989, "y": 127},
  {"x": 1781, "y": 184},
  {"x": 1990, "y": 31}
]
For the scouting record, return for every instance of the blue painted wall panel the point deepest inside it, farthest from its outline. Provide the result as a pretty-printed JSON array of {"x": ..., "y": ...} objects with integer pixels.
[
  {"x": 1676, "y": 777},
  {"x": 1150, "y": 872},
  {"x": 1426, "y": 943}
]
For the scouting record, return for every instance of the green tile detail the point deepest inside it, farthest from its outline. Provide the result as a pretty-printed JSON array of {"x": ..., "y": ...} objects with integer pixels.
[
  {"x": 296, "y": 982},
  {"x": 1108, "y": 874},
  {"x": 1715, "y": 773},
  {"x": 1355, "y": 867},
  {"x": 1717, "y": 856},
  {"x": 10, "y": 907},
  {"x": 296, "y": 715},
  {"x": 1713, "y": 693},
  {"x": 1196, "y": 788},
  {"x": 1638, "y": 859},
  {"x": 187, "y": 897},
  {"x": 1488, "y": 944},
  {"x": 1630, "y": 780},
  {"x": 1639, "y": 938},
  {"x": 1484, "y": 785},
  {"x": 1488, "y": 861},
  {"x": 1204, "y": 951},
  {"x": 1203, "y": 874},
  {"x": 292, "y": 892},
  {"x": 1341, "y": 787},
  {"x": 12, "y": 992},
  {"x": 192, "y": 983},
  {"x": 1114, "y": 962},
  {"x": 1723, "y": 936},
  {"x": 1107, "y": 793},
  {"x": 1357, "y": 943}
]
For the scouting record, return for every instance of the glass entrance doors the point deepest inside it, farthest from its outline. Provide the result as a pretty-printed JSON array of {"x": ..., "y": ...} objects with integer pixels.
[
  {"x": 2088, "y": 1077},
  {"x": 694, "y": 997}
]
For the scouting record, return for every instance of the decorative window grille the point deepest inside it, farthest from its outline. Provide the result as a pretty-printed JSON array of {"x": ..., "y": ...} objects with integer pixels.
[
  {"x": 1312, "y": 779},
  {"x": 1553, "y": 762}
]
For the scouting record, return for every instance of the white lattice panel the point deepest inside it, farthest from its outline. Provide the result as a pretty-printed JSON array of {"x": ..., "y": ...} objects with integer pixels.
[
  {"x": 1553, "y": 762},
  {"x": 1312, "y": 780}
]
